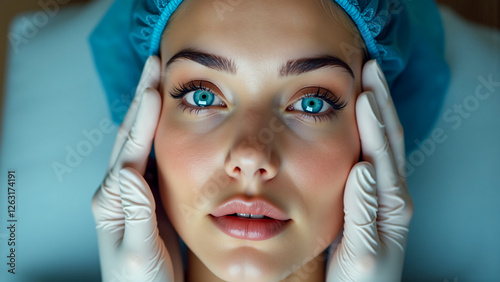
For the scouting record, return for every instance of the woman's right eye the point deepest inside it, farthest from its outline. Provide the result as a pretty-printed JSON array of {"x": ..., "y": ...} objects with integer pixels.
[
  {"x": 202, "y": 98},
  {"x": 197, "y": 97}
]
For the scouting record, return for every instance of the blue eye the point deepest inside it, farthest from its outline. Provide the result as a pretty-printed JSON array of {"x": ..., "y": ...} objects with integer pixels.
[
  {"x": 311, "y": 105},
  {"x": 198, "y": 97},
  {"x": 202, "y": 98},
  {"x": 318, "y": 103}
]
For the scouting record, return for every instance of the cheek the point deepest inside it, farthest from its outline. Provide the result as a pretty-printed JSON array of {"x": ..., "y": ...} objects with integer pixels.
[
  {"x": 181, "y": 155},
  {"x": 321, "y": 170},
  {"x": 184, "y": 151},
  {"x": 325, "y": 162},
  {"x": 185, "y": 162}
]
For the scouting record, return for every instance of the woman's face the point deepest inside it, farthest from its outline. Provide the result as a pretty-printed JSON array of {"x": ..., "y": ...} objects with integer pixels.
[{"x": 266, "y": 126}]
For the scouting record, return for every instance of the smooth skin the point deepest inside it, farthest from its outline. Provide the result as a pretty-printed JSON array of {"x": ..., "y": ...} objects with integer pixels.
[{"x": 375, "y": 230}]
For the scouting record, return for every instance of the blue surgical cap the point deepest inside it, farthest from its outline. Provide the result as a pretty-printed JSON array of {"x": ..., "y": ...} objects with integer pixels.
[{"x": 404, "y": 36}]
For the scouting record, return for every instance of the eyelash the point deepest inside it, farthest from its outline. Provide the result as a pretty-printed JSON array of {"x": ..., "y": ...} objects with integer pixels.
[{"x": 334, "y": 101}]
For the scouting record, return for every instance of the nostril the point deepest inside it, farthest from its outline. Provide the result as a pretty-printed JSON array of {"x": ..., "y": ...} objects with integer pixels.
[{"x": 236, "y": 170}]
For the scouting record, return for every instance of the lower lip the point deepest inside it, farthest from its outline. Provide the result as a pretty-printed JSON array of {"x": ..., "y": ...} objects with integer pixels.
[{"x": 250, "y": 229}]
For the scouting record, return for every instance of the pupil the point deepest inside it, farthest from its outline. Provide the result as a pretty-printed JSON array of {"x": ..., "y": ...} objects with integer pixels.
[{"x": 203, "y": 98}]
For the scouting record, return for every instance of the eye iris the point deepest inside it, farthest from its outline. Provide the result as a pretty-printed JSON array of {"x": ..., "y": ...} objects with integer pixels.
[
  {"x": 203, "y": 98},
  {"x": 312, "y": 105}
]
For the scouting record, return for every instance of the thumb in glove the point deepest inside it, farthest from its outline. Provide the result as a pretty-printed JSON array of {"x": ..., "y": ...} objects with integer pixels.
[{"x": 144, "y": 250}]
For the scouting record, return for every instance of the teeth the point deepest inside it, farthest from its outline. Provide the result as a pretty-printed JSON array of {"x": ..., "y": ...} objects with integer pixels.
[{"x": 249, "y": 215}]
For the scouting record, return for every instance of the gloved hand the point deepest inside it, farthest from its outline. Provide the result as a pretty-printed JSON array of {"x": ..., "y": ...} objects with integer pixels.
[
  {"x": 377, "y": 206},
  {"x": 130, "y": 247}
]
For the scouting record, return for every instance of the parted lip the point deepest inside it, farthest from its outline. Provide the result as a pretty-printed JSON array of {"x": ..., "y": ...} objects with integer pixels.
[{"x": 255, "y": 207}]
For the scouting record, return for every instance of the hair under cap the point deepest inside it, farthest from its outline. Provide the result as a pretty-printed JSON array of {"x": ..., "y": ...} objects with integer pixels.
[{"x": 405, "y": 37}]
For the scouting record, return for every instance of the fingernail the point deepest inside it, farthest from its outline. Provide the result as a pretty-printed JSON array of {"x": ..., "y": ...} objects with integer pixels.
[{"x": 374, "y": 108}]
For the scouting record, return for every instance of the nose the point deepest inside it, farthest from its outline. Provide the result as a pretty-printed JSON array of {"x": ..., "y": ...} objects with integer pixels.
[
  {"x": 251, "y": 158},
  {"x": 246, "y": 162}
]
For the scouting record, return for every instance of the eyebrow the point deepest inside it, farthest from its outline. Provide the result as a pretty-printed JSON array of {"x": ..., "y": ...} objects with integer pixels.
[
  {"x": 296, "y": 67},
  {"x": 292, "y": 67},
  {"x": 208, "y": 60}
]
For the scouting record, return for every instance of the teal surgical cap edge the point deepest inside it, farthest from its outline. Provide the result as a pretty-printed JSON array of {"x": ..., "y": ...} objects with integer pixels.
[{"x": 157, "y": 28}]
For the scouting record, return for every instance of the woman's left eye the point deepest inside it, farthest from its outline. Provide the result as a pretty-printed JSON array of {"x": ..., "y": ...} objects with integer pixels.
[
  {"x": 318, "y": 103},
  {"x": 311, "y": 105}
]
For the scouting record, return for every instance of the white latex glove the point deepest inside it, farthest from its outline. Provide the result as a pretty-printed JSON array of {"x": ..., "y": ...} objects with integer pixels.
[
  {"x": 130, "y": 248},
  {"x": 377, "y": 206}
]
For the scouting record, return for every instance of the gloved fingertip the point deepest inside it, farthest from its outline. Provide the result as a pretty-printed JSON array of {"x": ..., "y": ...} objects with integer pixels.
[
  {"x": 375, "y": 109},
  {"x": 150, "y": 74},
  {"x": 151, "y": 61},
  {"x": 370, "y": 68},
  {"x": 371, "y": 65},
  {"x": 152, "y": 93},
  {"x": 148, "y": 62},
  {"x": 373, "y": 76},
  {"x": 367, "y": 103}
]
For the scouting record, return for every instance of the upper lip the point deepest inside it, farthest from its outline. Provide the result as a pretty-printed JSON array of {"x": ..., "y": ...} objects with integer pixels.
[{"x": 255, "y": 207}]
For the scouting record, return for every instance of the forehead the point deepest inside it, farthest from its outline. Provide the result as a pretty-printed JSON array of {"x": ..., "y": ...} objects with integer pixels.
[{"x": 257, "y": 30}]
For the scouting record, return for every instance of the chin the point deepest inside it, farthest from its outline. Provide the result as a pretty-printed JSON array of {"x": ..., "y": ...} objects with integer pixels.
[
  {"x": 249, "y": 270},
  {"x": 261, "y": 264}
]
